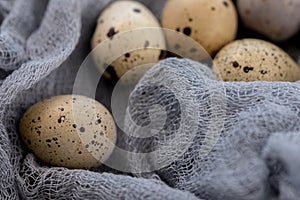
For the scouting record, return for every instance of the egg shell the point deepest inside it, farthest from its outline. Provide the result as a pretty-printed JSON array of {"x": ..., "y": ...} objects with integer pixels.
[
  {"x": 276, "y": 19},
  {"x": 254, "y": 60},
  {"x": 211, "y": 23},
  {"x": 124, "y": 16},
  {"x": 69, "y": 131}
]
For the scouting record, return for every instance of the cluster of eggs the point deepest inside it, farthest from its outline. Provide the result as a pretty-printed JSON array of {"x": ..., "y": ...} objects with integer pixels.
[
  {"x": 214, "y": 25},
  {"x": 78, "y": 132}
]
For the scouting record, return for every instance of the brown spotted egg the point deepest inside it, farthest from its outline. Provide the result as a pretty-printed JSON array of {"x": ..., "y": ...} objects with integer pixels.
[
  {"x": 211, "y": 23},
  {"x": 70, "y": 131},
  {"x": 115, "y": 28},
  {"x": 254, "y": 60}
]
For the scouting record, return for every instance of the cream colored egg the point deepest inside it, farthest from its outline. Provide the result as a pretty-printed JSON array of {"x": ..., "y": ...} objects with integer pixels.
[
  {"x": 69, "y": 131},
  {"x": 254, "y": 60},
  {"x": 276, "y": 19},
  {"x": 115, "y": 26},
  {"x": 211, "y": 23}
]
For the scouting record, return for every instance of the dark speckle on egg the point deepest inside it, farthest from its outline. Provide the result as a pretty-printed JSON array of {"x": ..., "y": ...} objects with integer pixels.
[
  {"x": 263, "y": 72},
  {"x": 98, "y": 121},
  {"x": 61, "y": 119},
  {"x": 193, "y": 50},
  {"x": 82, "y": 129},
  {"x": 187, "y": 31},
  {"x": 137, "y": 10},
  {"x": 235, "y": 64},
  {"x": 177, "y": 46},
  {"x": 146, "y": 44},
  {"x": 225, "y": 3},
  {"x": 247, "y": 69},
  {"x": 111, "y": 33}
]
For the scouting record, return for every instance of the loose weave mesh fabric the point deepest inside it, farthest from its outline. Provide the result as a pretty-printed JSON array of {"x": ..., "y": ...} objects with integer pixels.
[
  {"x": 43, "y": 43},
  {"x": 256, "y": 155}
]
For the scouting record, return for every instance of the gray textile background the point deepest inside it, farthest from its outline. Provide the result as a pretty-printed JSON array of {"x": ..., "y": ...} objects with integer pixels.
[{"x": 43, "y": 43}]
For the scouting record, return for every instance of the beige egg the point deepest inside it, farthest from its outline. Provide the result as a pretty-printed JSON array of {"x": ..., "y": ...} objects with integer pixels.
[
  {"x": 69, "y": 131},
  {"x": 211, "y": 23},
  {"x": 115, "y": 31},
  {"x": 276, "y": 19},
  {"x": 254, "y": 60}
]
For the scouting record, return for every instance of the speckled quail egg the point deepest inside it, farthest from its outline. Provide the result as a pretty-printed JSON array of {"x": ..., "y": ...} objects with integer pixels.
[
  {"x": 124, "y": 17},
  {"x": 70, "y": 131},
  {"x": 211, "y": 23},
  {"x": 254, "y": 60},
  {"x": 276, "y": 19}
]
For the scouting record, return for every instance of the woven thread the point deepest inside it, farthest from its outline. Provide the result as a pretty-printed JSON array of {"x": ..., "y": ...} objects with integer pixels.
[{"x": 42, "y": 45}]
